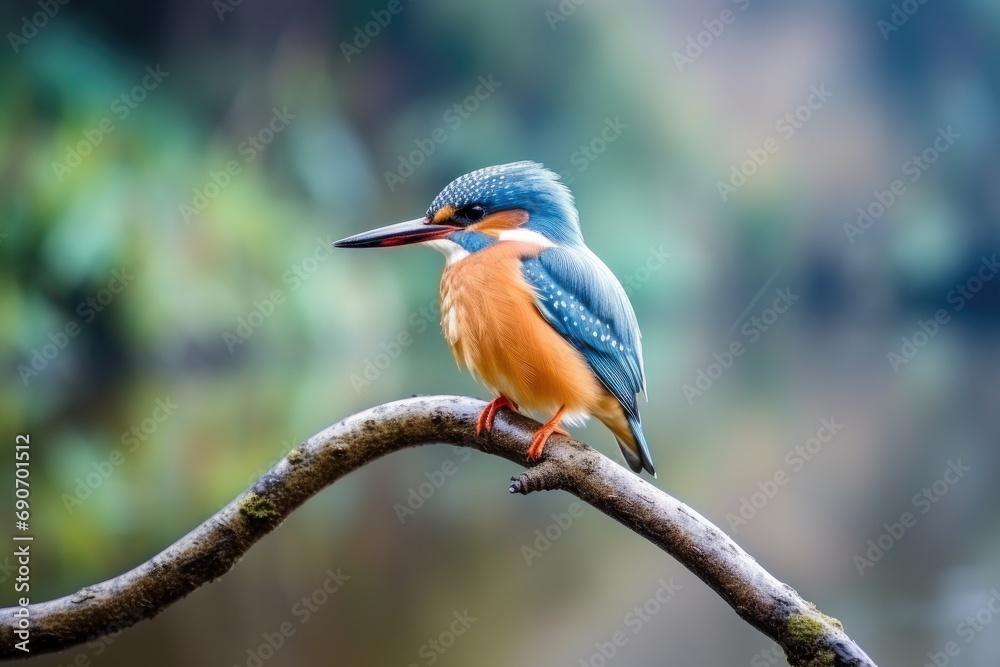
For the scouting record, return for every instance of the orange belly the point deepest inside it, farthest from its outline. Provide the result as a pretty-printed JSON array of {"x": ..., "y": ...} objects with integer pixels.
[{"x": 491, "y": 322}]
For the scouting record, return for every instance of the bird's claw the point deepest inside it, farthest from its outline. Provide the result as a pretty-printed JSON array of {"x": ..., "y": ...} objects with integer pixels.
[
  {"x": 541, "y": 437},
  {"x": 489, "y": 413}
]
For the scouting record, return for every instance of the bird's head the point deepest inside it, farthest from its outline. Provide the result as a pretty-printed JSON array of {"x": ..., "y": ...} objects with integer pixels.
[{"x": 517, "y": 201}]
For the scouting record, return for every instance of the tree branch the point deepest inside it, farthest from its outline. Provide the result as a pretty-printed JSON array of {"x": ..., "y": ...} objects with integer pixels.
[{"x": 808, "y": 637}]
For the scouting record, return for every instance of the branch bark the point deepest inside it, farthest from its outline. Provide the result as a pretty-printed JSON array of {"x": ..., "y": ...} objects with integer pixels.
[{"x": 808, "y": 637}]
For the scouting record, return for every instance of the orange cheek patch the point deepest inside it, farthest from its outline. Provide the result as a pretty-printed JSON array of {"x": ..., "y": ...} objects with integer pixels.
[
  {"x": 443, "y": 214},
  {"x": 498, "y": 222}
]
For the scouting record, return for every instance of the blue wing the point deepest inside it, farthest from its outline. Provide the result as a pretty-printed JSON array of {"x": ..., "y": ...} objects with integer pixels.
[{"x": 585, "y": 303}]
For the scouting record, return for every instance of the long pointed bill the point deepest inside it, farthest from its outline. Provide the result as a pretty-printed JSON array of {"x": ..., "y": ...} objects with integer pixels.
[{"x": 404, "y": 233}]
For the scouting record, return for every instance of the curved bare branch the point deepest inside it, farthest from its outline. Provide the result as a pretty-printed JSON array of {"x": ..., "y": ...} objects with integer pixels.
[{"x": 808, "y": 637}]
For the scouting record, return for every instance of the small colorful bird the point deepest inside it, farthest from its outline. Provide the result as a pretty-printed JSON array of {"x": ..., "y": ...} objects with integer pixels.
[{"x": 527, "y": 307}]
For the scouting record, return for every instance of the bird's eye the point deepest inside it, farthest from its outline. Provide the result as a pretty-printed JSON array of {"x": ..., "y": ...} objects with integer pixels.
[{"x": 474, "y": 213}]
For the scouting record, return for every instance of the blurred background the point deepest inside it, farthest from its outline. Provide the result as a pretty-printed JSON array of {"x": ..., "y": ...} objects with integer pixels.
[{"x": 815, "y": 182}]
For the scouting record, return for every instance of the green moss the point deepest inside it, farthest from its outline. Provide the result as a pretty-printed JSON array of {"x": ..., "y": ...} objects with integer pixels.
[
  {"x": 805, "y": 629},
  {"x": 295, "y": 456},
  {"x": 808, "y": 632},
  {"x": 258, "y": 509},
  {"x": 825, "y": 659}
]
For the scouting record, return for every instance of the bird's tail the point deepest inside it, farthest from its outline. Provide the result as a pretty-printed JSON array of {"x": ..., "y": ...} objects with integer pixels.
[{"x": 634, "y": 449}]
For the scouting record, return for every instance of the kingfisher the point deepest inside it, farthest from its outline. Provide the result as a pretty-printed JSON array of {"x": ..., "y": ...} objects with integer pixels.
[{"x": 527, "y": 307}]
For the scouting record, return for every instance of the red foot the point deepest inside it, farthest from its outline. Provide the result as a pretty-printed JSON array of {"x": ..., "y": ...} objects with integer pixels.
[
  {"x": 489, "y": 413},
  {"x": 543, "y": 434}
]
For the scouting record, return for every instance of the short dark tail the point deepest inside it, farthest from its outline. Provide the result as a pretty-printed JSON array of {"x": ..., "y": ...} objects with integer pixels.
[{"x": 636, "y": 455}]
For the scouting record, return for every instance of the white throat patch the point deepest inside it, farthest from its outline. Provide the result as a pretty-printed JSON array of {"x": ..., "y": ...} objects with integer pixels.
[{"x": 452, "y": 251}]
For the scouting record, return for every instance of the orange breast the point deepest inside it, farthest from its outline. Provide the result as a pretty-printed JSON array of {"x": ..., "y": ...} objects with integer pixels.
[{"x": 491, "y": 322}]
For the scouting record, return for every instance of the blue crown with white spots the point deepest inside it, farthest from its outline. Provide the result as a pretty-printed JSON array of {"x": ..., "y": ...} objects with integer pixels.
[{"x": 518, "y": 185}]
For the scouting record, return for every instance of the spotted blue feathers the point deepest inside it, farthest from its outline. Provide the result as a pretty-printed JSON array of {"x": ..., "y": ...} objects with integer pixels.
[{"x": 584, "y": 302}]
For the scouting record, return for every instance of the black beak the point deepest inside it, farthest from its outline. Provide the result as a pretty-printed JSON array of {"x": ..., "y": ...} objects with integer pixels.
[{"x": 404, "y": 233}]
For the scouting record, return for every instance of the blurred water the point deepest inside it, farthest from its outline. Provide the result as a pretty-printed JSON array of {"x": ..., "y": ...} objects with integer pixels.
[{"x": 164, "y": 242}]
